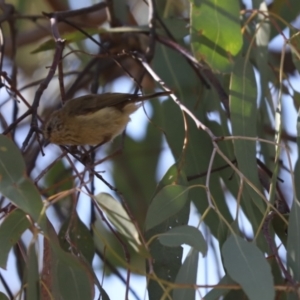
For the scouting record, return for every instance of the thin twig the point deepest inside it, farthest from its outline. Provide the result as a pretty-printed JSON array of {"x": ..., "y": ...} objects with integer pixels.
[
  {"x": 43, "y": 86},
  {"x": 61, "y": 15}
]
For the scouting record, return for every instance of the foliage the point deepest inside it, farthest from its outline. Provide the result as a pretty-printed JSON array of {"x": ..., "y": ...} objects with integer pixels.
[{"x": 72, "y": 216}]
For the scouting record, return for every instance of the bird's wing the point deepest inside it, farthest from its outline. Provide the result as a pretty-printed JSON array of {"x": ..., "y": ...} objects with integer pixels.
[{"x": 93, "y": 102}]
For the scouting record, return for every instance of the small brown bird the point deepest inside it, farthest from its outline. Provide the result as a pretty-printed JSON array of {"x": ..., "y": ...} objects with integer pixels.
[{"x": 93, "y": 119}]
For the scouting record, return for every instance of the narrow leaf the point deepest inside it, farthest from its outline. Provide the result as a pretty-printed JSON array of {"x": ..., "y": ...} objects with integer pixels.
[
  {"x": 186, "y": 234},
  {"x": 246, "y": 265},
  {"x": 3, "y": 296},
  {"x": 74, "y": 234},
  {"x": 119, "y": 218},
  {"x": 297, "y": 165},
  {"x": 11, "y": 230},
  {"x": 14, "y": 184},
  {"x": 188, "y": 275},
  {"x": 288, "y": 11},
  {"x": 167, "y": 202},
  {"x": 167, "y": 261},
  {"x": 216, "y": 293},
  {"x": 216, "y": 32},
  {"x": 295, "y": 46},
  {"x": 33, "y": 279},
  {"x": 173, "y": 176},
  {"x": 243, "y": 93},
  {"x": 293, "y": 242},
  {"x": 72, "y": 278}
]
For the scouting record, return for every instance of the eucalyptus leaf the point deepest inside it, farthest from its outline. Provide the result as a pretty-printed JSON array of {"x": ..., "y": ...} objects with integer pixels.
[
  {"x": 119, "y": 218},
  {"x": 3, "y": 296},
  {"x": 293, "y": 241},
  {"x": 167, "y": 202},
  {"x": 33, "y": 288},
  {"x": 74, "y": 236},
  {"x": 185, "y": 234},
  {"x": 246, "y": 265},
  {"x": 15, "y": 185},
  {"x": 11, "y": 230},
  {"x": 216, "y": 32},
  {"x": 243, "y": 93},
  {"x": 188, "y": 275}
]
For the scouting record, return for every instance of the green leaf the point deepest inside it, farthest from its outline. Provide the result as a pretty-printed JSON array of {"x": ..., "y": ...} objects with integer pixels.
[
  {"x": 296, "y": 99},
  {"x": 119, "y": 218},
  {"x": 74, "y": 236},
  {"x": 217, "y": 179},
  {"x": 280, "y": 227},
  {"x": 287, "y": 11},
  {"x": 293, "y": 242},
  {"x": 297, "y": 166},
  {"x": 185, "y": 234},
  {"x": 167, "y": 202},
  {"x": 137, "y": 186},
  {"x": 188, "y": 275},
  {"x": 71, "y": 276},
  {"x": 11, "y": 230},
  {"x": 243, "y": 93},
  {"x": 57, "y": 179},
  {"x": 167, "y": 260},
  {"x": 295, "y": 46},
  {"x": 246, "y": 265},
  {"x": 173, "y": 176},
  {"x": 178, "y": 26},
  {"x": 261, "y": 51},
  {"x": 72, "y": 281},
  {"x": 3, "y": 296},
  {"x": 216, "y": 32},
  {"x": 14, "y": 184},
  {"x": 216, "y": 293},
  {"x": 33, "y": 278}
]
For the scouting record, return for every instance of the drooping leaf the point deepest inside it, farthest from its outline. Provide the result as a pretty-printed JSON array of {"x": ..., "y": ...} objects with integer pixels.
[
  {"x": 246, "y": 265},
  {"x": 15, "y": 185},
  {"x": 167, "y": 260},
  {"x": 288, "y": 11},
  {"x": 119, "y": 218},
  {"x": 243, "y": 93},
  {"x": 187, "y": 274},
  {"x": 170, "y": 200},
  {"x": 293, "y": 245},
  {"x": 295, "y": 48},
  {"x": 3, "y": 296},
  {"x": 74, "y": 236},
  {"x": 58, "y": 179},
  {"x": 293, "y": 241},
  {"x": 185, "y": 234},
  {"x": 137, "y": 186},
  {"x": 173, "y": 176},
  {"x": 216, "y": 293},
  {"x": 261, "y": 52},
  {"x": 216, "y": 32},
  {"x": 72, "y": 281},
  {"x": 11, "y": 230},
  {"x": 71, "y": 276},
  {"x": 32, "y": 278}
]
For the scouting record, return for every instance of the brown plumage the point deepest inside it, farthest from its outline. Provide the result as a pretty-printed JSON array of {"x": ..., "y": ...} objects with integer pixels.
[{"x": 93, "y": 119}]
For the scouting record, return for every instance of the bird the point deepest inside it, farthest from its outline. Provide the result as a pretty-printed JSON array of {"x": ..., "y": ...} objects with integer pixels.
[{"x": 93, "y": 119}]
